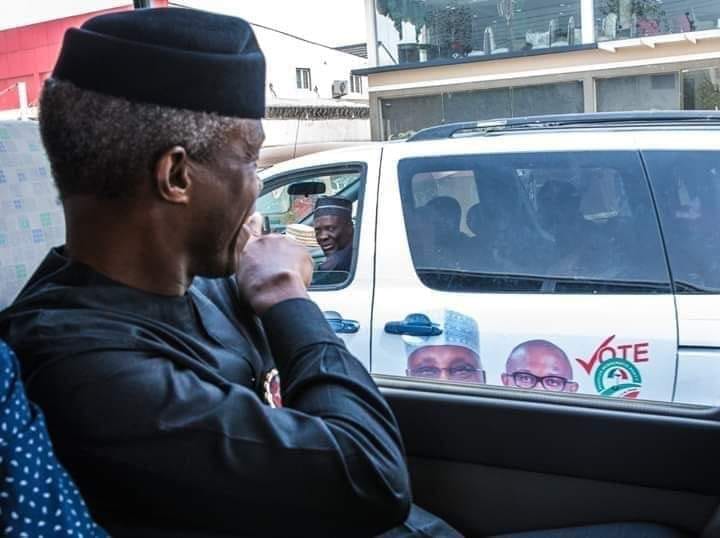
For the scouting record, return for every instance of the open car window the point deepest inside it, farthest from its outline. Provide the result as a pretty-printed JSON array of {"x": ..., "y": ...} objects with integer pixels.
[{"x": 288, "y": 205}]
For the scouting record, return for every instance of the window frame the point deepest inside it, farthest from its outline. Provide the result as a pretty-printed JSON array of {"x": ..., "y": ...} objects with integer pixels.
[
  {"x": 283, "y": 179},
  {"x": 300, "y": 73},
  {"x": 356, "y": 85}
]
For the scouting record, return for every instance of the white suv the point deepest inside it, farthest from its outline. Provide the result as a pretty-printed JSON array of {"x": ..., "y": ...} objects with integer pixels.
[{"x": 567, "y": 253}]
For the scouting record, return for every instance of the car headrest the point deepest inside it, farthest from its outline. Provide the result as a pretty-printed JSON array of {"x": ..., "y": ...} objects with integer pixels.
[
  {"x": 474, "y": 218},
  {"x": 31, "y": 217}
]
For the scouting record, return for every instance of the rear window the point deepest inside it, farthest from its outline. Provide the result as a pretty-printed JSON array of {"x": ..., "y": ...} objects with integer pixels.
[
  {"x": 578, "y": 222},
  {"x": 687, "y": 191}
]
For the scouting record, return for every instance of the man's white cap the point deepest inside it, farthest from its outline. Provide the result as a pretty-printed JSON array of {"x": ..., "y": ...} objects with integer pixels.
[{"x": 457, "y": 330}]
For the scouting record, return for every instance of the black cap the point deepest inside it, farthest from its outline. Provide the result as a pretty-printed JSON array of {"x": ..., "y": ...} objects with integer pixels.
[
  {"x": 333, "y": 205},
  {"x": 174, "y": 57}
]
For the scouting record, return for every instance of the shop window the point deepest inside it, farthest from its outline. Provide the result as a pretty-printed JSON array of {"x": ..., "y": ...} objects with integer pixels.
[
  {"x": 701, "y": 89},
  {"x": 640, "y": 92},
  {"x": 625, "y": 19},
  {"x": 406, "y": 115},
  {"x": 428, "y": 30}
]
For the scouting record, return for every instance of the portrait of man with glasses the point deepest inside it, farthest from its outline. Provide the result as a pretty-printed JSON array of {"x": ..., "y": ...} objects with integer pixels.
[
  {"x": 539, "y": 365},
  {"x": 453, "y": 355}
]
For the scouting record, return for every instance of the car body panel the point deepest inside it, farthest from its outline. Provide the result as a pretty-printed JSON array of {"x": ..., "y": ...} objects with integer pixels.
[
  {"x": 589, "y": 328},
  {"x": 354, "y": 301}
]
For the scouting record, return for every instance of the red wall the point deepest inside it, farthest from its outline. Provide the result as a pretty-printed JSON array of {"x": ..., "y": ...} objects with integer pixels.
[{"x": 28, "y": 54}]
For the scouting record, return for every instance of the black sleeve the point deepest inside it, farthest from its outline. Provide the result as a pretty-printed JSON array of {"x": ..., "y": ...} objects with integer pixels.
[{"x": 155, "y": 444}]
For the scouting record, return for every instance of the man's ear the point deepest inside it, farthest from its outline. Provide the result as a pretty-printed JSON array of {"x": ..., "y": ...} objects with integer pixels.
[
  {"x": 172, "y": 175},
  {"x": 505, "y": 379}
]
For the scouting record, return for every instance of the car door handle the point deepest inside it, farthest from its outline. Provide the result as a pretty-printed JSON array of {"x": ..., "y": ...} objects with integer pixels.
[
  {"x": 341, "y": 325},
  {"x": 414, "y": 325}
]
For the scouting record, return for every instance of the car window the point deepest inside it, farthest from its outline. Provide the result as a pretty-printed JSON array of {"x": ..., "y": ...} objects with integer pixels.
[
  {"x": 687, "y": 190},
  {"x": 289, "y": 203},
  {"x": 571, "y": 222}
]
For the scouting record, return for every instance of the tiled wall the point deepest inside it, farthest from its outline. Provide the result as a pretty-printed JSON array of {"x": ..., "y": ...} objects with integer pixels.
[{"x": 31, "y": 217}]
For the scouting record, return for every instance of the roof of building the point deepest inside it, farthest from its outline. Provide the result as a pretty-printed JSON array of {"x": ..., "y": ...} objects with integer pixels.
[{"x": 359, "y": 49}]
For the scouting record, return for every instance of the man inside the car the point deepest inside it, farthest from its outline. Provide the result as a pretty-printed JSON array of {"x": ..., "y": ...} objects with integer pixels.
[
  {"x": 150, "y": 339},
  {"x": 561, "y": 216},
  {"x": 453, "y": 355},
  {"x": 443, "y": 215},
  {"x": 540, "y": 365},
  {"x": 503, "y": 240},
  {"x": 334, "y": 232}
]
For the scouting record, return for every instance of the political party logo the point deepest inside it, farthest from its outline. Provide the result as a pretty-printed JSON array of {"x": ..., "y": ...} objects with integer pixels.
[
  {"x": 271, "y": 388},
  {"x": 618, "y": 378},
  {"x": 613, "y": 367}
]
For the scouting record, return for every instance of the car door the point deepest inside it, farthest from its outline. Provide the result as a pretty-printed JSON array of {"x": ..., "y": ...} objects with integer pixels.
[
  {"x": 492, "y": 458},
  {"x": 553, "y": 260},
  {"x": 344, "y": 296}
]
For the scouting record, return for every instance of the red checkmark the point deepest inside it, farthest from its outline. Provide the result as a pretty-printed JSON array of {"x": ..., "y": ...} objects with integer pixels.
[{"x": 589, "y": 364}]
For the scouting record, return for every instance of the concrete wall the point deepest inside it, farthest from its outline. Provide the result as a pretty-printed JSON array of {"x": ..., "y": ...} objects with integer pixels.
[
  {"x": 285, "y": 53},
  {"x": 284, "y": 132}
]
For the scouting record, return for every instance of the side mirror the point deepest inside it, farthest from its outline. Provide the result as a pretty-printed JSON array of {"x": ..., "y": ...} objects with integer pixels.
[{"x": 306, "y": 188}]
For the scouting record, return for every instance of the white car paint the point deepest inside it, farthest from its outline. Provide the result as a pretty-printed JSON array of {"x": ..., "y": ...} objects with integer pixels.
[
  {"x": 678, "y": 337},
  {"x": 353, "y": 302}
]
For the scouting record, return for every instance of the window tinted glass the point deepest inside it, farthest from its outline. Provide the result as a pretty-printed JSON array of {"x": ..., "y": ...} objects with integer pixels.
[
  {"x": 551, "y": 222},
  {"x": 700, "y": 89},
  {"x": 292, "y": 214},
  {"x": 404, "y": 116},
  {"x": 687, "y": 190},
  {"x": 642, "y": 92}
]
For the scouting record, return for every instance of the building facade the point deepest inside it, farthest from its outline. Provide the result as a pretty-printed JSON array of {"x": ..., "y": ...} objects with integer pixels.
[
  {"x": 313, "y": 100},
  {"x": 311, "y": 95},
  {"x": 439, "y": 61}
]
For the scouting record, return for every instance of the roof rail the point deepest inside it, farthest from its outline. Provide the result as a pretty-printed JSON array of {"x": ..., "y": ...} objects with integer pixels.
[{"x": 559, "y": 121}]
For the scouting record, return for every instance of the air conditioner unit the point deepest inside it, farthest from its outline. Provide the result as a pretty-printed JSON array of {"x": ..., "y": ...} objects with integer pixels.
[{"x": 339, "y": 88}]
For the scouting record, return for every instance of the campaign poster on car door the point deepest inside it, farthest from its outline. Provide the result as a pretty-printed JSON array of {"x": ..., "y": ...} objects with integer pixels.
[{"x": 455, "y": 346}]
